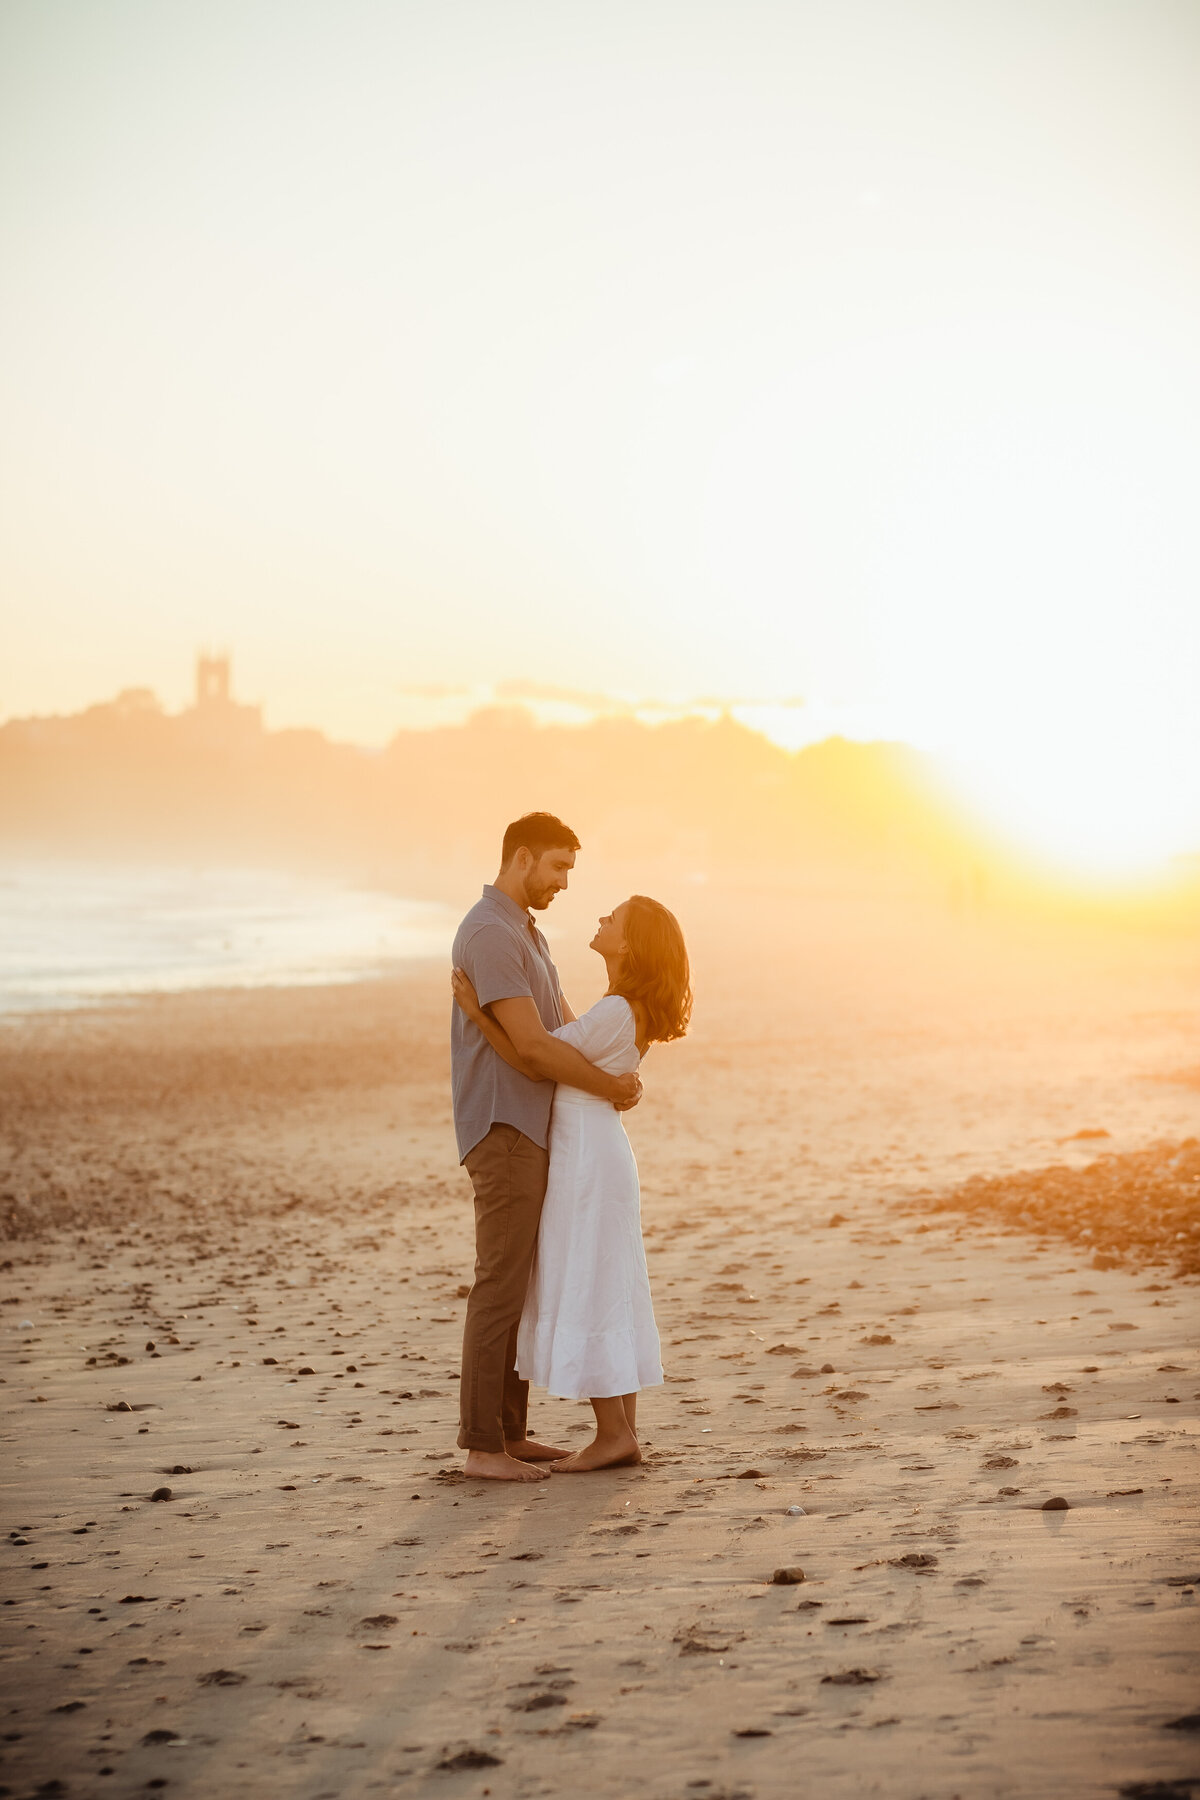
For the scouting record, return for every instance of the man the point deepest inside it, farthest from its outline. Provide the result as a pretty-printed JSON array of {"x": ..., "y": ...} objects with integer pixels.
[{"x": 502, "y": 1122}]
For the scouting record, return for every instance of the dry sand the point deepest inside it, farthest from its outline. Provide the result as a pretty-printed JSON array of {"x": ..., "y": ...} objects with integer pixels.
[{"x": 262, "y": 1187}]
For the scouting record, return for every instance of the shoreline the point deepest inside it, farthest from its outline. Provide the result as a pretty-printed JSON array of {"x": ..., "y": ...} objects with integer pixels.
[{"x": 122, "y": 1000}]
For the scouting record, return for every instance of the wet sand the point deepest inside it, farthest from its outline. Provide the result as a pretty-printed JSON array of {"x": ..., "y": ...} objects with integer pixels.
[{"x": 262, "y": 1187}]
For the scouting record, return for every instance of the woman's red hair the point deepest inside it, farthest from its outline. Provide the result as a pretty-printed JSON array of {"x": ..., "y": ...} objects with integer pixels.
[{"x": 656, "y": 977}]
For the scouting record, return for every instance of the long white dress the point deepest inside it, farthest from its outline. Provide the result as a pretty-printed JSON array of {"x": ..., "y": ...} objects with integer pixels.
[{"x": 587, "y": 1330}]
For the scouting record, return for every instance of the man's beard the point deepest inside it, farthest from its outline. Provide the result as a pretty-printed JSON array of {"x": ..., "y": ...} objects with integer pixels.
[{"x": 539, "y": 898}]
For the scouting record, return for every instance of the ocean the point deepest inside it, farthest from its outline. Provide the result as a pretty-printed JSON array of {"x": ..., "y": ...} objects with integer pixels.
[{"x": 75, "y": 933}]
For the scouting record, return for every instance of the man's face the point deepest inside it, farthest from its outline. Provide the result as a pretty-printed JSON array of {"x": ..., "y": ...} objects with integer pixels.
[{"x": 547, "y": 877}]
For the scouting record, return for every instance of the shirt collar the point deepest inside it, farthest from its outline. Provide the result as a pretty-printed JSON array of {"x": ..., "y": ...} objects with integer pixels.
[{"x": 499, "y": 898}]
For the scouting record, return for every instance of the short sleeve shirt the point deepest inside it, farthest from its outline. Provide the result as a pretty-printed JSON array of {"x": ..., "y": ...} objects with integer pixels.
[{"x": 506, "y": 958}]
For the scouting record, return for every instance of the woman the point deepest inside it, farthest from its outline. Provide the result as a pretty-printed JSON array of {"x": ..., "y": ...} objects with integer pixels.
[{"x": 587, "y": 1331}]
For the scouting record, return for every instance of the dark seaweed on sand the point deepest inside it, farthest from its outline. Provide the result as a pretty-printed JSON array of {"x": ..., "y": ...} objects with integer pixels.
[{"x": 1138, "y": 1208}]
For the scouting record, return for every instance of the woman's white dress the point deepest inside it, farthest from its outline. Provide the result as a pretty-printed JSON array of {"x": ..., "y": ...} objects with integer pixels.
[{"x": 588, "y": 1328}]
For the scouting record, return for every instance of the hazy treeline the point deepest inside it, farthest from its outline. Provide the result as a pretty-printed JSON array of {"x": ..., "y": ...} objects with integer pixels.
[{"x": 127, "y": 778}]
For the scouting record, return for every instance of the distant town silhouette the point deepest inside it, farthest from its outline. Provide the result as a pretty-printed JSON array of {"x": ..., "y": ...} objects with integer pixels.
[{"x": 127, "y": 778}]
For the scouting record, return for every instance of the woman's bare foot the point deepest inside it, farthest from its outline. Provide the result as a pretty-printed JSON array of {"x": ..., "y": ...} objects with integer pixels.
[
  {"x": 497, "y": 1465},
  {"x": 530, "y": 1451},
  {"x": 602, "y": 1453}
]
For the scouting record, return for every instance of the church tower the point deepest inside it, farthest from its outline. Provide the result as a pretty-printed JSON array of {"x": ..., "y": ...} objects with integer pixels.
[
  {"x": 212, "y": 680},
  {"x": 217, "y": 721}
]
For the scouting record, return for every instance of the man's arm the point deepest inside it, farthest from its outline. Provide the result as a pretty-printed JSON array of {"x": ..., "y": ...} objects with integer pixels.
[
  {"x": 495, "y": 1034},
  {"x": 552, "y": 1060}
]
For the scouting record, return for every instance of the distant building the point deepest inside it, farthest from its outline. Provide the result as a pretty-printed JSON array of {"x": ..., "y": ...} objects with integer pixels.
[
  {"x": 212, "y": 679},
  {"x": 217, "y": 721}
]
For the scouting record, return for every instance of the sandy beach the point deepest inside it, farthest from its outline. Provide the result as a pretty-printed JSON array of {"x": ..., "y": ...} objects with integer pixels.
[{"x": 213, "y": 1199}]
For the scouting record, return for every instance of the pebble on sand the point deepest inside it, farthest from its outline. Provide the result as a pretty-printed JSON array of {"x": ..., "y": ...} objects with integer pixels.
[
  {"x": 1056, "y": 1504},
  {"x": 789, "y": 1576},
  {"x": 470, "y": 1759},
  {"x": 537, "y": 1703}
]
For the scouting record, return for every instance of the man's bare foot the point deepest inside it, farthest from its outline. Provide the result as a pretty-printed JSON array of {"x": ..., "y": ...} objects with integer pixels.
[
  {"x": 497, "y": 1465},
  {"x": 602, "y": 1453},
  {"x": 530, "y": 1451}
]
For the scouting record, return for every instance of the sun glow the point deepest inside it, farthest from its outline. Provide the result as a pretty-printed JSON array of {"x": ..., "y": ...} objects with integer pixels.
[{"x": 976, "y": 540}]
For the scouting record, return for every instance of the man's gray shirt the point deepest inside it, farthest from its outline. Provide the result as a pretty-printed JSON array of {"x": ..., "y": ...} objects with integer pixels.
[{"x": 506, "y": 958}]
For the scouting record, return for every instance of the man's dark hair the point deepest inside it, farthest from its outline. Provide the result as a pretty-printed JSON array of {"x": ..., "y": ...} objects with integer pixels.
[{"x": 537, "y": 832}]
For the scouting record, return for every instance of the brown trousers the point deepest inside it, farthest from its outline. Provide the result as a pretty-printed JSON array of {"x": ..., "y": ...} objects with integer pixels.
[{"x": 508, "y": 1172}]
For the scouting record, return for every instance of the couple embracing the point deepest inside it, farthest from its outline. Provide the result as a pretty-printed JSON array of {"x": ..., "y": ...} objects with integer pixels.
[{"x": 561, "y": 1296}]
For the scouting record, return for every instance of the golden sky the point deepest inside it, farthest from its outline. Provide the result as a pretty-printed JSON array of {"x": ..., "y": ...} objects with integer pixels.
[{"x": 662, "y": 350}]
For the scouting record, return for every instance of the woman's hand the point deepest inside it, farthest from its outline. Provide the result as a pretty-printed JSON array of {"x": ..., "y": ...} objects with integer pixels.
[{"x": 465, "y": 997}]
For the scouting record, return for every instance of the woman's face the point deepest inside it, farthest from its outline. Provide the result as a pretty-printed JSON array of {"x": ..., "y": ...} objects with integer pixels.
[{"x": 610, "y": 937}]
